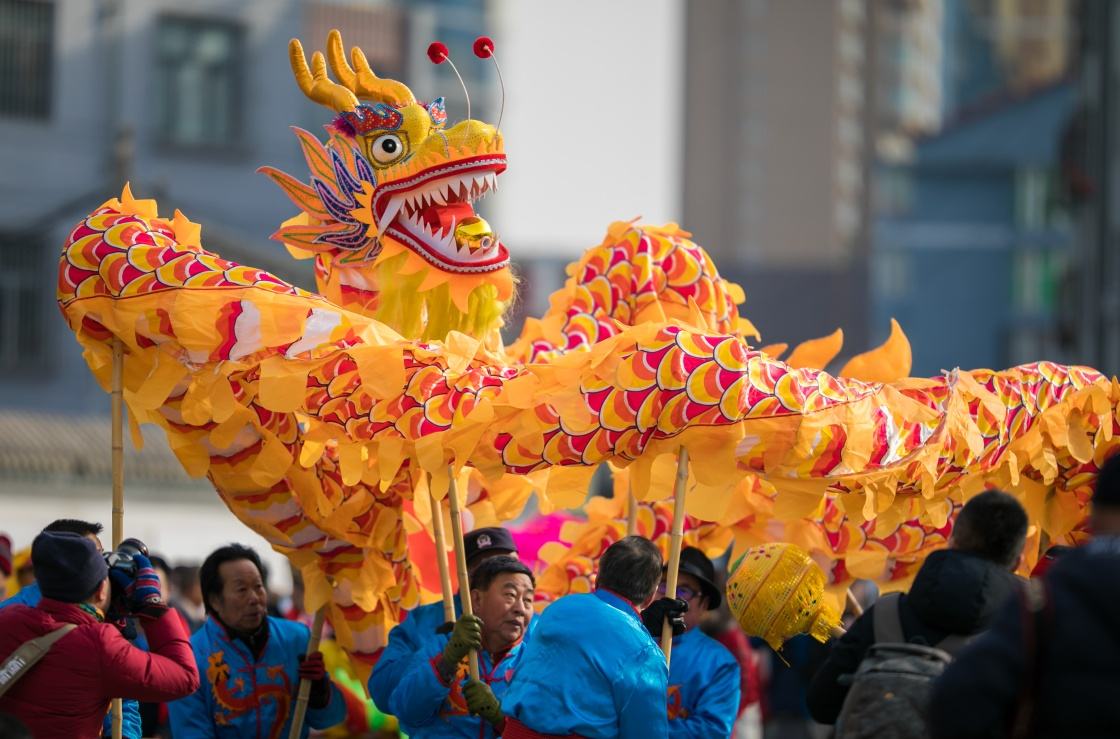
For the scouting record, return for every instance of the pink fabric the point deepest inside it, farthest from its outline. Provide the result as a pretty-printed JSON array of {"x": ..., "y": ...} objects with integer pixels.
[{"x": 535, "y": 533}]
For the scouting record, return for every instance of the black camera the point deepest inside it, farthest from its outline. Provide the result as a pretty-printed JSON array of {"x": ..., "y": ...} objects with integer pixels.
[{"x": 123, "y": 559}]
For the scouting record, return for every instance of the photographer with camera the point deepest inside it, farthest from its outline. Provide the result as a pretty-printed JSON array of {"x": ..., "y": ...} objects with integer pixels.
[
  {"x": 30, "y": 596},
  {"x": 62, "y": 662}
]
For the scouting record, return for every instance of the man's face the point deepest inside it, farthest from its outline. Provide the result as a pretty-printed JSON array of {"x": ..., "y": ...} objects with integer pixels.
[
  {"x": 689, "y": 590},
  {"x": 96, "y": 542},
  {"x": 241, "y": 604},
  {"x": 505, "y": 609}
]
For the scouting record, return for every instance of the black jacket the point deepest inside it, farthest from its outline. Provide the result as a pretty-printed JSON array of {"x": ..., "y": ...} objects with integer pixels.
[
  {"x": 953, "y": 593},
  {"x": 1078, "y": 659}
]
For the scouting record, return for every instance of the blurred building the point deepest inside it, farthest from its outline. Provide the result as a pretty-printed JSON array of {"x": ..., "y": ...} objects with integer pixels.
[
  {"x": 971, "y": 241},
  {"x": 776, "y": 158},
  {"x": 852, "y": 161},
  {"x": 1091, "y": 172},
  {"x": 972, "y": 238}
]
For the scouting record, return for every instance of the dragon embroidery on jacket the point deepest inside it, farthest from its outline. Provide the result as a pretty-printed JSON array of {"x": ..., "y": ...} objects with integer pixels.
[
  {"x": 234, "y": 698},
  {"x": 324, "y": 419}
]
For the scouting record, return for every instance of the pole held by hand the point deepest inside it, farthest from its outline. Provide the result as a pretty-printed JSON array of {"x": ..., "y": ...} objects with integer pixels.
[
  {"x": 304, "y": 695},
  {"x": 677, "y": 534},
  {"x": 461, "y": 562},
  {"x": 116, "y": 401},
  {"x": 441, "y": 560}
]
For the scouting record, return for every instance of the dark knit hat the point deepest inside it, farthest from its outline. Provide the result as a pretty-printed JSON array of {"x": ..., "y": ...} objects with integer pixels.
[
  {"x": 490, "y": 539},
  {"x": 67, "y": 566},
  {"x": 1106, "y": 493}
]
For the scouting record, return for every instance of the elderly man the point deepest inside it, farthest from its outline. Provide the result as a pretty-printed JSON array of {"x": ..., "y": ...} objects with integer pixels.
[
  {"x": 592, "y": 668},
  {"x": 429, "y": 701},
  {"x": 419, "y": 633},
  {"x": 703, "y": 675},
  {"x": 251, "y": 663},
  {"x": 89, "y": 662}
]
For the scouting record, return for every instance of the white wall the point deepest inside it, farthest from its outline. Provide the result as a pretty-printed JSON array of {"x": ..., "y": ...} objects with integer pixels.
[
  {"x": 593, "y": 119},
  {"x": 181, "y": 526}
]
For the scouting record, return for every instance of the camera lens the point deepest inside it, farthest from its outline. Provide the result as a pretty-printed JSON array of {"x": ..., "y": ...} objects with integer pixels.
[{"x": 133, "y": 546}]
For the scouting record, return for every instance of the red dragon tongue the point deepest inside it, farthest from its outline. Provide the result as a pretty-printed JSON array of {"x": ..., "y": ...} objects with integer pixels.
[{"x": 445, "y": 217}]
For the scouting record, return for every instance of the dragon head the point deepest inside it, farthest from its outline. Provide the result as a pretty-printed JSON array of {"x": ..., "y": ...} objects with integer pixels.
[{"x": 389, "y": 212}]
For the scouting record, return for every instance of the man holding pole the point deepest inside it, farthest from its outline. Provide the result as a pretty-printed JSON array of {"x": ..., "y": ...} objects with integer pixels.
[
  {"x": 251, "y": 664},
  {"x": 429, "y": 702},
  {"x": 419, "y": 636},
  {"x": 592, "y": 669},
  {"x": 703, "y": 675}
]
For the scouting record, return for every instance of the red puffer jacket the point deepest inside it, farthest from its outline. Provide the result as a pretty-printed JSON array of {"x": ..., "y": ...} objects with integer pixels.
[{"x": 68, "y": 691}]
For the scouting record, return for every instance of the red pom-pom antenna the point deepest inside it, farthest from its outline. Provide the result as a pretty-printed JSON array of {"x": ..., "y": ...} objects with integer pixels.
[
  {"x": 437, "y": 52},
  {"x": 483, "y": 47}
]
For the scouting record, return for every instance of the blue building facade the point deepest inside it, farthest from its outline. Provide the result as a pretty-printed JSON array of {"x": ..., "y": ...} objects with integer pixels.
[{"x": 972, "y": 241}]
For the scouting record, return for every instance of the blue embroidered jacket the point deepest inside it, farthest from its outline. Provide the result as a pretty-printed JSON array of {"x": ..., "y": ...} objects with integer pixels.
[
  {"x": 591, "y": 669},
  {"x": 240, "y": 696},
  {"x": 409, "y": 642},
  {"x": 703, "y": 688}
]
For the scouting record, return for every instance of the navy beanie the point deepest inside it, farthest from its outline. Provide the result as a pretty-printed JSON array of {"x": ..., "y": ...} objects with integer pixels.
[{"x": 67, "y": 566}]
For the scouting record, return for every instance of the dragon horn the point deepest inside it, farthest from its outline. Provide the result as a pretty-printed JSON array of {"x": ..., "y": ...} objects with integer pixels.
[
  {"x": 363, "y": 82},
  {"x": 314, "y": 82},
  {"x": 336, "y": 55},
  {"x": 388, "y": 91}
]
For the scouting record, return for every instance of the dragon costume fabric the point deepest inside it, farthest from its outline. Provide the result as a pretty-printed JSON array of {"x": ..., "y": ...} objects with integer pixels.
[{"x": 324, "y": 419}]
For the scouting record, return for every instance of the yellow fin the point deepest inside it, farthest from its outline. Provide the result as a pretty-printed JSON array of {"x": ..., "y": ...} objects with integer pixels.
[
  {"x": 816, "y": 353},
  {"x": 887, "y": 362}
]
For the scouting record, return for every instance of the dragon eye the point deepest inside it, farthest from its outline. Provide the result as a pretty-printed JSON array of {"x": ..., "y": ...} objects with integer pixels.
[{"x": 386, "y": 148}]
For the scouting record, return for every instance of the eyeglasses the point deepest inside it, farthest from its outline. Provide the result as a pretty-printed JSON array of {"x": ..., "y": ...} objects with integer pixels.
[{"x": 683, "y": 592}]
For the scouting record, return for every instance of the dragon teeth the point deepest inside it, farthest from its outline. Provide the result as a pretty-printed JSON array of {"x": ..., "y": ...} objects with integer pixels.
[
  {"x": 464, "y": 188},
  {"x": 390, "y": 213}
]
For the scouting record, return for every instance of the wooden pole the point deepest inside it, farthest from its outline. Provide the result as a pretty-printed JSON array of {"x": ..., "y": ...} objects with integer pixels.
[
  {"x": 117, "y": 405},
  {"x": 631, "y": 512},
  {"x": 441, "y": 560},
  {"x": 304, "y": 694},
  {"x": 677, "y": 533},
  {"x": 461, "y": 562},
  {"x": 853, "y": 604}
]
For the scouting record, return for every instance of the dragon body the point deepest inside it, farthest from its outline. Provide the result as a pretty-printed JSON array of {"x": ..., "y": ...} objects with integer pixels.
[{"x": 324, "y": 419}]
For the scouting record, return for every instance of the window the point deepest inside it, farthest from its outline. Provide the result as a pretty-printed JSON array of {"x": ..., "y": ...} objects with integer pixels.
[
  {"x": 199, "y": 68},
  {"x": 26, "y": 31},
  {"x": 22, "y": 345}
]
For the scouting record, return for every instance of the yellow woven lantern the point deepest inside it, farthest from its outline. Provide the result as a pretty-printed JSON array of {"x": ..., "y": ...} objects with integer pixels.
[{"x": 776, "y": 591}]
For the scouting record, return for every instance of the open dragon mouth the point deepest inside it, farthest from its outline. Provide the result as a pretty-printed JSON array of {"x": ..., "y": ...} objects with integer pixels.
[{"x": 433, "y": 213}]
